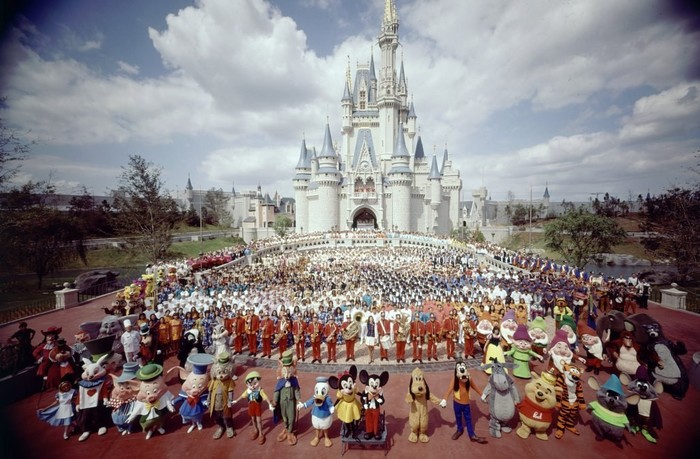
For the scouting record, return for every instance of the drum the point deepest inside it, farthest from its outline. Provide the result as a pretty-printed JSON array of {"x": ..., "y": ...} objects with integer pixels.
[{"x": 385, "y": 342}]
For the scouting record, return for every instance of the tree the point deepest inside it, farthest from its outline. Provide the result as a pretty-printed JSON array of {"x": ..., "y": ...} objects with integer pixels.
[
  {"x": 282, "y": 225},
  {"x": 520, "y": 215},
  {"x": 95, "y": 218},
  {"x": 216, "y": 202},
  {"x": 13, "y": 148},
  {"x": 580, "y": 235},
  {"x": 144, "y": 210},
  {"x": 37, "y": 237},
  {"x": 672, "y": 221}
]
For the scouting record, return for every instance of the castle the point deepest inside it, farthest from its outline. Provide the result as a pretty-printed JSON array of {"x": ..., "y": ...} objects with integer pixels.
[{"x": 378, "y": 177}]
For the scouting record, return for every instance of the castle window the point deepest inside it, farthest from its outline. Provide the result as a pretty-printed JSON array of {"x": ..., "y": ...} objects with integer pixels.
[{"x": 363, "y": 99}]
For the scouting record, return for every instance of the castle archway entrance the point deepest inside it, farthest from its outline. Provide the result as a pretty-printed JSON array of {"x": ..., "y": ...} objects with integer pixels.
[{"x": 364, "y": 220}]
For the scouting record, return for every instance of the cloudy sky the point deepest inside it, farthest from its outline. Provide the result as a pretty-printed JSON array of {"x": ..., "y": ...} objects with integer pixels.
[{"x": 586, "y": 96}]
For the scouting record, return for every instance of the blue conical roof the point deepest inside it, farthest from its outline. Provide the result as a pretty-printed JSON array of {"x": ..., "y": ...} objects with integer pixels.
[{"x": 327, "y": 150}]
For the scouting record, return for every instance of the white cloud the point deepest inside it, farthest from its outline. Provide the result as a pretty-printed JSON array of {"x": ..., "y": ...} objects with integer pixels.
[
  {"x": 245, "y": 76},
  {"x": 127, "y": 68}
]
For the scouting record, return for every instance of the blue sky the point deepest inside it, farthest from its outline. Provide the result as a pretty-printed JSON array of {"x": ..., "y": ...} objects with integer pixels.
[{"x": 584, "y": 96}]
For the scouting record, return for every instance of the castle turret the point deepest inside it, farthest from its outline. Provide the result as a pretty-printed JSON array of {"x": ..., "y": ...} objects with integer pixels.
[
  {"x": 401, "y": 178},
  {"x": 301, "y": 185},
  {"x": 388, "y": 101},
  {"x": 327, "y": 178},
  {"x": 435, "y": 193}
]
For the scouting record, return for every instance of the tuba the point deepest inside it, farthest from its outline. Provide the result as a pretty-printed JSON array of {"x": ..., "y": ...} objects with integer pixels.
[{"x": 353, "y": 329}]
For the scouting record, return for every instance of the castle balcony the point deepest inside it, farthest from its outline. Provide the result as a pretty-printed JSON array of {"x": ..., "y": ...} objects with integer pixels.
[{"x": 364, "y": 196}]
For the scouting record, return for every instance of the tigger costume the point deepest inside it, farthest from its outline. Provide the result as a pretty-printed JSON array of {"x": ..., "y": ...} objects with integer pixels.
[{"x": 569, "y": 399}]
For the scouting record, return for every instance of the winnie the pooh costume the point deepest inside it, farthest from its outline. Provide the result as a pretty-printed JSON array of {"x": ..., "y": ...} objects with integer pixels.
[{"x": 537, "y": 408}]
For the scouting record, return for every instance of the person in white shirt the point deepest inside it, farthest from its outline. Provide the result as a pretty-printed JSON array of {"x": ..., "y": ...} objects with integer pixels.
[{"x": 131, "y": 340}]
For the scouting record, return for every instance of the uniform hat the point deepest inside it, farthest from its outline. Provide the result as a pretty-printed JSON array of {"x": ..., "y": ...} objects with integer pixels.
[
  {"x": 149, "y": 372},
  {"x": 288, "y": 357},
  {"x": 127, "y": 323},
  {"x": 128, "y": 372},
  {"x": 200, "y": 362},
  {"x": 521, "y": 334},
  {"x": 321, "y": 379}
]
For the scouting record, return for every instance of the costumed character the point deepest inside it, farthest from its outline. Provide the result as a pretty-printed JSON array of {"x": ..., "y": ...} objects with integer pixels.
[
  {"x": 593, "y": 347},
  {"x": 287, "y": 395},
  {"x": 147, "y": 346},
  {"x": 626, "y": 354},
  {"x": 94, "y": 389},
  {"x": 569, "y": 400},
  {"x": 42, "y": 353},
  {"x": 469, "y": 333},
  {"x": 194, "y": 393},
  {"x": 608, "y": 411},
  {"x": 537, "y": 408},
  {"x": 255, "y": 396},
  {"x": 662, "y": 355},
  {"x": 540, "y": 339},
  {"x": 417, "y": 398},
  {"x": 644, "y": 415},
  {"x": 372, "y": 398},
  {"x": 190, "y": 344},
  {"x": 508, "y": 327},
  {"x": 221, "y": 388},
  {"x": 609, "y": 327},
  {"x": 62, "y": 411},
  {"x": 220, "y": 337},
  {"x": 321, "y": 413},
  {"x": 521, "y": 351},
  {"x": 348, "y": 408},
  {"x": 62, "y": 367},
  {"x": 484, "y": 329},
  {"x": 125, "y": 387},
  {"x": 569, "y": 326},
  {"x": 493, "y": 352},
  {"x": 559, "y": 351},
  {"x": 503, "y": 398},
  {"x": 152, "y": 401}
]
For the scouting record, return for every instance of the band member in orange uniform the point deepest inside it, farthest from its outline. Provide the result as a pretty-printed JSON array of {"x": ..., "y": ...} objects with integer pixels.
[
  {"x": 330, "y": 331},
  {"x": 400, "y": 336},
  {"x": 239, "y": 332},
  {"x": 314, "y": 330},
  {"x": 432, "y": 334},
  {"x": 284, "y": 326},
  {"x": 417, "y": 335},
  {"x": 349, "y": 343},
  {"x": 267, "y": 329},
  {"x": 299, "y": 332},
  {"x": 252, "y": 324},
  {"x": 451, "y": 329}
]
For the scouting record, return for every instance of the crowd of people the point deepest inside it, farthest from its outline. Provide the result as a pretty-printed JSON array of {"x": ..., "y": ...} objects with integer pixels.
[{"x": 442, "y": 301}]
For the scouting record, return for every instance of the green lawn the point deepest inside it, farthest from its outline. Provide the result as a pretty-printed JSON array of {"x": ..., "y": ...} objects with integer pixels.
[{"x": 20, "y": 290}]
